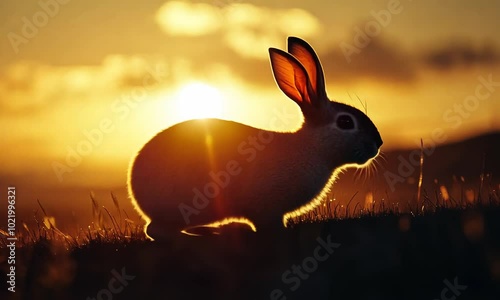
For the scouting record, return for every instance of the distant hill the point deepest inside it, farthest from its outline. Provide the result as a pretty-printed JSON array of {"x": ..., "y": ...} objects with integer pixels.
[
  {"x": 398, "y": 173},
  {"x": 465, "y": 158}
]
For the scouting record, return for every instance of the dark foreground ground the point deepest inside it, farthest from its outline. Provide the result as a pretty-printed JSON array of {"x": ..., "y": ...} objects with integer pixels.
[{"x": 450, "y": 254}]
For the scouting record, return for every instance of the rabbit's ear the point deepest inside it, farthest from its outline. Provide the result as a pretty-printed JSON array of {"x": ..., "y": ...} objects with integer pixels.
[
  {"x": 292, "y": 78},
  {"x": 305, "y": 54}
]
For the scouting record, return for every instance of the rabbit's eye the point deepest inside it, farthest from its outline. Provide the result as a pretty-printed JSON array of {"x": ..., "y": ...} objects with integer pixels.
[{"x": 345, "y": 122}]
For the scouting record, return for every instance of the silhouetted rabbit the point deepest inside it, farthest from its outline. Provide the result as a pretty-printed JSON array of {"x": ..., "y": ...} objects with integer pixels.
[{"x": 202, "y": 171}]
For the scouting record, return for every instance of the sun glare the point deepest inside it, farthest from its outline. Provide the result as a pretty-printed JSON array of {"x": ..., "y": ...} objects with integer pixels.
[{"x": 198, "y": 100}]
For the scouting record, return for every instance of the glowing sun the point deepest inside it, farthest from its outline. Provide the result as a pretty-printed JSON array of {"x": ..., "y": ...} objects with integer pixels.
[{"x": 198, "y": 100}]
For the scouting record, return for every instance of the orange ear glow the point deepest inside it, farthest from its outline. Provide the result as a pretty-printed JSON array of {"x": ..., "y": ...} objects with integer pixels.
[
  {"x": 308, "y": 58},
  {"x": 290, "y": 76}
]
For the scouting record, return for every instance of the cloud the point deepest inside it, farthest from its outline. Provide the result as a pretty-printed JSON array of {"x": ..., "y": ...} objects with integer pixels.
[
  {"x": 461, "y": 54},
  {"x": 251, "y": 29},
  {"x": 27, "y": 86},
  {"x": 191, "y": 19},
  {"x": 379, "y": 60},
  {"x": 382, "y": 60},
  {"x": 30, "y": 87},
  {"x": 247, "y": 29}
]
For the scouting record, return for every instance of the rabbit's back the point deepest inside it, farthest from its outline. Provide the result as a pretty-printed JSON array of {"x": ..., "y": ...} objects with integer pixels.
[{"x": 187, "y": 164}]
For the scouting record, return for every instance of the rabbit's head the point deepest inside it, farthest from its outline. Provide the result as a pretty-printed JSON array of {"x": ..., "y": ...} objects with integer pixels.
[{"x": 350, "y": 134}]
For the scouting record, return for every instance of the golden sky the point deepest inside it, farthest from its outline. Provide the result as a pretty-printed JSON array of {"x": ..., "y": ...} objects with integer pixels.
[{"x": 100, "y": 78}]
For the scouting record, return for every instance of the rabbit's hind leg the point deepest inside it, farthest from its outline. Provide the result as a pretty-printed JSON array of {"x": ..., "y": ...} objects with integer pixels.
[
  {"x": 163, "y": 231},
  {"x": 224, "y": 226}
]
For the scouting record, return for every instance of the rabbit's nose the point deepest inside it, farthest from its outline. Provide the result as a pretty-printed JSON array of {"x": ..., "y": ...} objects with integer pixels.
[{"x": 378, "y": 140}]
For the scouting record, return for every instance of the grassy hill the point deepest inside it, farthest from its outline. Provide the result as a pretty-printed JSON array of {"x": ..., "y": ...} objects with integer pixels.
[{"x": 438, "y": 249}]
